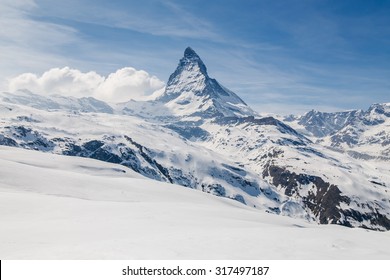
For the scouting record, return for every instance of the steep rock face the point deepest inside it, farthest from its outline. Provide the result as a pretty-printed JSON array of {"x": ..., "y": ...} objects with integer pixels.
[{"x": 191, "y": 92}]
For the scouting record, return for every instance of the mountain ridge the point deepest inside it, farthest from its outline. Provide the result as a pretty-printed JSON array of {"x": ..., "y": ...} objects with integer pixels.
[{"x": 360, "y": 133}]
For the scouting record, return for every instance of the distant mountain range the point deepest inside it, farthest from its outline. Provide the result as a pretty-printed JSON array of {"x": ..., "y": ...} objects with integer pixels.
[
  {"x": 361, "y": 134},
  {"x": 328, "y": 168}
]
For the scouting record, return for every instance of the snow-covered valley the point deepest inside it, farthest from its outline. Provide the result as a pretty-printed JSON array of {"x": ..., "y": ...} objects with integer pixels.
[{"x": 61, "y": 207}]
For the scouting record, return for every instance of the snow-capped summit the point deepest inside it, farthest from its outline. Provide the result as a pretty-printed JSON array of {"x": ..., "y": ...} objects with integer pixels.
[
  {"x": 377, "y": 113},
  {"x": 190, "y": 56},
  {"x": 191, "y": 92}
]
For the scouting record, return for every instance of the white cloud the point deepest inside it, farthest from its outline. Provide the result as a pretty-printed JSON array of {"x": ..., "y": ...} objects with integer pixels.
[
  {"x": 128, "y": 83},
  {"x": 64, "y": 81},
  {"x": 125, "y": 84}
]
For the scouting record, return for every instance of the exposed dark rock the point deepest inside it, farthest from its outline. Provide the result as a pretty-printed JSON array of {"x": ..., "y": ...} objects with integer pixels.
[
  {"x": 323, "y": 199},
  {"x": 215, "y": 189},
  {"x": 22, "y": 131},
  {"x": 6, "y": 141},
  {"x": 93, "y": 145},
  {"x": 239, "y": 198},
  {"x": 104, "y": 155},
  {"x": 72, "y": 150},
  {"x": 250, "y": 187},
  {"x": 143, "y": 151},
  {"x": 189, "y": 132}
]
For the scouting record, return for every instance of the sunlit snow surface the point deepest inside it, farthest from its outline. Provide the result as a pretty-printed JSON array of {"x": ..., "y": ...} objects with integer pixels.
[{"x": 58, "y": 207}]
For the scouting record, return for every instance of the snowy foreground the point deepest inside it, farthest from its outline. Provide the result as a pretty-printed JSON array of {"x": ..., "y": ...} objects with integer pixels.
[{"x": 58, "y": 207}]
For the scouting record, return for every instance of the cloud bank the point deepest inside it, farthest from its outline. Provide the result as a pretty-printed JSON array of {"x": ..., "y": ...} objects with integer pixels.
[{"x": 125, "y": 84}]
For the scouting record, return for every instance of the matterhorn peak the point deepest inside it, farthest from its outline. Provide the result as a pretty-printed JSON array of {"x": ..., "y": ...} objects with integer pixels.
[
  {"x": 191, "y": 92},
  {"x": 191, "y": 61},
  {"x": 190, "y": 53}
]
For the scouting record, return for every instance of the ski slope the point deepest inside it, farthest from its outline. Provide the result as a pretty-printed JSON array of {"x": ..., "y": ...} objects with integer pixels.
[{"x": 59, "y": 207}]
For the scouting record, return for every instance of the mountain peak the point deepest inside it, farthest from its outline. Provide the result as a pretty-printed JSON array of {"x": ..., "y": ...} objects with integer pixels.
[
  {"x": 190, "y": 53},
  {"x": 191, "y": 61},
  {"x": 191, "y": 92}
]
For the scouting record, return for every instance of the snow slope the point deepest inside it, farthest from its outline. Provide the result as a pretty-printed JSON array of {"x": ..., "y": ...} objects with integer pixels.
[{"x": 76, "y": 208}]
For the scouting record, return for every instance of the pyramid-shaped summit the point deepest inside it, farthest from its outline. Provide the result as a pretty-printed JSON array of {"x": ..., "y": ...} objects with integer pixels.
[
  {"x": 191, "y": 92},
  {"x": 190, "y": 53}
]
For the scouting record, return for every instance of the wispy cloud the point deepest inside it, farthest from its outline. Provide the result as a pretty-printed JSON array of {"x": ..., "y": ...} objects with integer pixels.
[
  {"x": 194, "y": 25},
  {"x": 19, "y": 29},
  {"x": 28, "y": 44},
  {"x": 161, "y": 18}
]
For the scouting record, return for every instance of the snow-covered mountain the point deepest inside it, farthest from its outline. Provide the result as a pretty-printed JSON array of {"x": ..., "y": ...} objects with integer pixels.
[
  {"x": 55, "y": 102},
  {"x": 200, "y": 135},
  {"x": 191, "y": 92},
  {"x": 361, "y": 134},
  {"x": 320, "y": 124}
]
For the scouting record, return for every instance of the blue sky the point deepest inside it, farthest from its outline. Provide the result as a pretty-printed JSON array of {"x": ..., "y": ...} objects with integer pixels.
[{"x": 279, "y": 56}]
